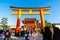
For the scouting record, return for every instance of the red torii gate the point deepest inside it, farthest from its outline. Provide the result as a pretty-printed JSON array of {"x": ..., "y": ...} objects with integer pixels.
[{"x": 20, "y": 12}]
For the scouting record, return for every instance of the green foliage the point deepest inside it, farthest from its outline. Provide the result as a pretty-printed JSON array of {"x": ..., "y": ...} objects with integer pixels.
[
  {"x": 4, "y": 23},
  {"x": 48, "y": 24}
]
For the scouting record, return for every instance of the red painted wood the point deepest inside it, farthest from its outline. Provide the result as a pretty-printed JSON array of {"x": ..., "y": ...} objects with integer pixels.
[
  {"x": 42, "y": 25},
  {"x": 18, "y": 25}
]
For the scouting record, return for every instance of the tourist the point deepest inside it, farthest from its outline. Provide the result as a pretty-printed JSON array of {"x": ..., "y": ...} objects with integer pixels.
[
  {"x": 46, "y": 33},
  {"x": 1, "y": 34},
  {"x": 7, "y": 35},
  {"x": 56, "y": 35},
  {"x": 27, "y": 35}
]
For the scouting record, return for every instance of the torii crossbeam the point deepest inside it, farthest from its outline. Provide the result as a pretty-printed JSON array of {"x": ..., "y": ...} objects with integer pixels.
[{"x": 20, "y": 12}]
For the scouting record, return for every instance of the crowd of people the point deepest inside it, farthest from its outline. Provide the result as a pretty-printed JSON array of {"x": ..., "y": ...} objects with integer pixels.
[
  {"x": 6, "y": 34},
  {"x": 46, "y": 32}
]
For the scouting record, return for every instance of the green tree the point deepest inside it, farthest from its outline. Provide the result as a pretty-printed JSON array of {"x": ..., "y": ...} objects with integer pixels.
[
  {"x": 4, "y": 23},
  {"x": 49, "y": 24}
]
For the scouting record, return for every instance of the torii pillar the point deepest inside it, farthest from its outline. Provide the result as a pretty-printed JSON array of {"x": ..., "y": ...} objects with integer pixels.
[{"x": 19, "y": 13}]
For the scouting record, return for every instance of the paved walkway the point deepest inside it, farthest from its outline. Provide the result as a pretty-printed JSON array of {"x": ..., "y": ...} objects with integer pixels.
[
  {"x": 31, "y": 38},
  {"x": 22, "y": 38}
]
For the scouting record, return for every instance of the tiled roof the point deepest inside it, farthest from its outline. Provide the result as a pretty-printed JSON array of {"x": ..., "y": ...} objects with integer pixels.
[{"x": 30, "y": 19}]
